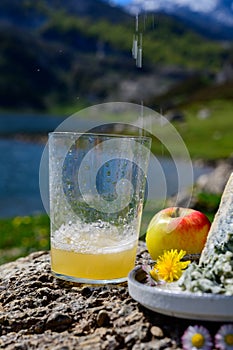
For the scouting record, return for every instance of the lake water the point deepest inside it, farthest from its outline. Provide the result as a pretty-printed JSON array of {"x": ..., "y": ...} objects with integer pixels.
[
  {"x": 20, "y": 161},
  {"x": 19, "y": 164}
]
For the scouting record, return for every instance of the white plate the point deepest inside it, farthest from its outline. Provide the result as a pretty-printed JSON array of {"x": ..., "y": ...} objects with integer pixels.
[{"x": 174, "y": 302}]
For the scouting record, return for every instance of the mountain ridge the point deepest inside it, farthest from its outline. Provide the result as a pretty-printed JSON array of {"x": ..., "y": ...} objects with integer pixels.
[
  {"x": 213, "y": 18},
  {"x": 52, "y": 55}
]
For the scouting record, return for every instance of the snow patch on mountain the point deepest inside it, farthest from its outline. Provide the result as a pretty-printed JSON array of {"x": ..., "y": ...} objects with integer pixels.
[
  {"x": 171, "y": 5},
  {"x": 210, "y": 17}
]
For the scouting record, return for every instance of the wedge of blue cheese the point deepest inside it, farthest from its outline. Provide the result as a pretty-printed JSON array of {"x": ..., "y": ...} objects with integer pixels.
[
  {"x": 222, "y": 224},
  {"x": 214, "y": 272}
]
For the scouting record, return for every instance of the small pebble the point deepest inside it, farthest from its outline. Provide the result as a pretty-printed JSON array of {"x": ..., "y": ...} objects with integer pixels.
[
  {"x": 102, "y": 319},
  {"x": 156, "y": 332}
]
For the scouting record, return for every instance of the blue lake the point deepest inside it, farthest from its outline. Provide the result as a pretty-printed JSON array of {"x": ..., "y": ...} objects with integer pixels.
[
  {"x": 20, "y": 162},
  {"x": 19, "y": 169}
]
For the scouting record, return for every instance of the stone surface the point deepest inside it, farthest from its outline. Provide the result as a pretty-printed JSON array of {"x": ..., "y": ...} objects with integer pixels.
[
  {"x": 212, "y": 182},
  {"x": 215, "y": 181},
  {"x": 38, "y": 311}
]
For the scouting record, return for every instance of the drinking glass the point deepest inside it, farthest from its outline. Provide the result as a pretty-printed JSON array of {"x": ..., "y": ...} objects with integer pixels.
[{"x": 97, "y": 185}]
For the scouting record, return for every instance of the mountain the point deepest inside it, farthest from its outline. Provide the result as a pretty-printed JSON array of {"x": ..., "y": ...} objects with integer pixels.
[
  {"x": 51, "y": 52},
  {"x": 29, "y": 13},
  {"x": 56, "y": 54},
  {"x": 212, "y": 18}
]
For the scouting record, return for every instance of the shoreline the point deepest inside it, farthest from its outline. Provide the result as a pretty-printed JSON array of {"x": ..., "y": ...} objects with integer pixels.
[{"x": 42, "y": 138}]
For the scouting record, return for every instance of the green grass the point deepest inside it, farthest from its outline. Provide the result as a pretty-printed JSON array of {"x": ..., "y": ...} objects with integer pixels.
[
  {"x": 207, "y": 138},
  {"x": 211, "y": 137},
  {"x": 20, "y": 236},
  {"x": 208, "y": 204}
]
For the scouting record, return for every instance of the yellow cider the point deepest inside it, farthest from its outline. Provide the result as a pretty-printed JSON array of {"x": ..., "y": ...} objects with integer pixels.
[{"x": 100, "y": 266}]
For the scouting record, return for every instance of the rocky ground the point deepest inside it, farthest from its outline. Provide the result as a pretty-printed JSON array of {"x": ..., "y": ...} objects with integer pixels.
[
  {"x": 211, "y": 183},
  {"x": 38, "y": 311}
]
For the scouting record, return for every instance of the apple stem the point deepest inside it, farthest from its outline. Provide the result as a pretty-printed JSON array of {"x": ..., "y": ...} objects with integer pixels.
[{"x": 176, "y": 213}]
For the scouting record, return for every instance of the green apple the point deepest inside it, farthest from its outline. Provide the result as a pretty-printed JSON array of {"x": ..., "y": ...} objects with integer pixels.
[{"x": 177, "y": 228}]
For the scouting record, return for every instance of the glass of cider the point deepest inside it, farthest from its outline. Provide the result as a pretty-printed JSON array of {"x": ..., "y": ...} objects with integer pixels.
[{"x": 97, "y": 186}]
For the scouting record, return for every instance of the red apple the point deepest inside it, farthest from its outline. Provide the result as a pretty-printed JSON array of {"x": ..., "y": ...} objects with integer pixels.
[{"x": 177, "y": 228}]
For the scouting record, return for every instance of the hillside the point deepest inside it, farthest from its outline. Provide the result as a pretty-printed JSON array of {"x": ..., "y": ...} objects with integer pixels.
[
  {"x": 214, "y": 18},
  {"x": 56, "y": 53}
]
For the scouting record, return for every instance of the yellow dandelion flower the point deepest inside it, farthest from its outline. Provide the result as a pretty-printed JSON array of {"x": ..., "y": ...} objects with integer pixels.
[
  {"x": 154, "y": 274},
  {"x": 169, "y": 267}
]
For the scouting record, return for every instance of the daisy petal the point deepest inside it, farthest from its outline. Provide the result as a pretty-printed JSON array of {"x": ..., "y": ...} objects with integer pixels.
[
  {"x": 224, "y": 337},
  {"x": 196, "y": 338}
]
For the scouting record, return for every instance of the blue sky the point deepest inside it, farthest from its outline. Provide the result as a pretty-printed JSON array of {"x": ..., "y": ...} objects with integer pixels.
[{"x": 121, "y": 2}]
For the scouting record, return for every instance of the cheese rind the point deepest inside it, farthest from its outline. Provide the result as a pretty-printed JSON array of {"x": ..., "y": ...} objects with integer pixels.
[{"x": 222, "y": 224}]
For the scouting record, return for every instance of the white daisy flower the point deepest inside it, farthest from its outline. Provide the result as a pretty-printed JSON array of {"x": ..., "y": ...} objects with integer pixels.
[
  {"x": 224, "y": 337},
  {"x": 196, "y": 338}
]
